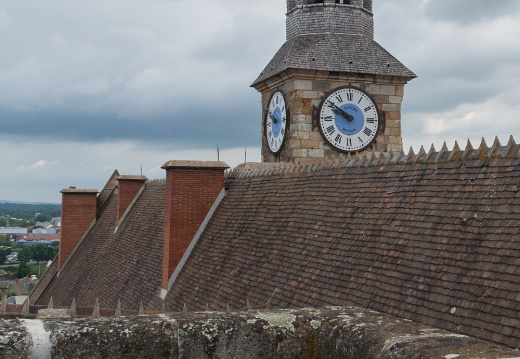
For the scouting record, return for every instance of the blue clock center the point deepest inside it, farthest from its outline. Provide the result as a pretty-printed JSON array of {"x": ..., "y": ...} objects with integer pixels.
[
  {"x": 355, "y": 121},
  {"x": 277, "y": 121}
]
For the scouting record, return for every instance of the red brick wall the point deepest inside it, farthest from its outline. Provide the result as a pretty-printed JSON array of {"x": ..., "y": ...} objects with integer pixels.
[
  {"x": 190, "y": 193},
  {"x": 128, "y": 189},
  {"x": 78, "y": 210}
]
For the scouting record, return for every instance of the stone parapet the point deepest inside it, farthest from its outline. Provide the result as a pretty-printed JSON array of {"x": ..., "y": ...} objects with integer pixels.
[{"x": 302, "y": 333}]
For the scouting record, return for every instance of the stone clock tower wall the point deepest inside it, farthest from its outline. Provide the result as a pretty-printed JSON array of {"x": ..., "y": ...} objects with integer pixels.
[
  {"x": 304, "y": 142},
  {"x": 330, "y": 44}
]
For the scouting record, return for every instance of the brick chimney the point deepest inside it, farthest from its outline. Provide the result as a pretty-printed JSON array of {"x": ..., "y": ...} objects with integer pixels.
[
  {"x": 191, "y": 189},
  {"x": 128, "y": 188},
  {"x": 78, "y": 210}
]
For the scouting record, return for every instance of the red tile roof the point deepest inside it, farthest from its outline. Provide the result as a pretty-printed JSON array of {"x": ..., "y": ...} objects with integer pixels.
[{"x": 413, "y": 236}]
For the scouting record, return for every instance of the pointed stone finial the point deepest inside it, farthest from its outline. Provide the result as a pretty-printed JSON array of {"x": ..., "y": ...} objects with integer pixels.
[
  {"x": 483, "y": 145},
  {"x": 73, "y": 313},
  {"x": 431, "y": 154},
  {"x": 494, "y": 147},
  {"x": 411, "y": 153},
  {"x": 207, "y": 306},
  {"x": 96, "y": 313},
  {"x": 3, "y": 308},
  {"x": 456, "y": 147},
  {"x": 163, "y": 308},
  {"x": 510, "y": 145},
  {"x": 421, "y": 154},
  {"x": 443, "y": 150},
  {"x": 185, "y": 309},
  {"x": 469, "y": 148},
  {"x": 249, "y": 306},
  {"x": 118, "y": 309},
  {"x": 51, "y": 304},
  {"x": 25, "y": 309},
  {"x": 141, "y": 309}
]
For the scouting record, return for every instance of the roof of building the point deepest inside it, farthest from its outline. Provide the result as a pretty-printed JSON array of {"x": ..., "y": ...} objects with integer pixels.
[
  {"x": 122, "y": 265},
  {"x": 4, "y": 285},
  {"x": 432, "y": 237},
  {"x": 334, "y": 52}
]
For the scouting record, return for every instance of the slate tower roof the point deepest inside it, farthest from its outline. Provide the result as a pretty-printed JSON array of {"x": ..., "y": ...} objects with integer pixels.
[{"x": 333, "y": 36}]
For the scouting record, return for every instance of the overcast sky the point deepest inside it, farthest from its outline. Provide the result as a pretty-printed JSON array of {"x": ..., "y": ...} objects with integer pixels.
[{"x": 90, "y": 86}]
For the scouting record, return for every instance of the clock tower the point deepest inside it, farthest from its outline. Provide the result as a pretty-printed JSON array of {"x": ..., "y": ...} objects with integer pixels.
[{"x": 331, "y": 89}]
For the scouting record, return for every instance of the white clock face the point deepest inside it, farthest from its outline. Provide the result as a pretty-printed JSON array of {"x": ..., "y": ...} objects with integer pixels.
[
  {"x": 276, "y": 122},
  {"x": 349, "y": 119}
]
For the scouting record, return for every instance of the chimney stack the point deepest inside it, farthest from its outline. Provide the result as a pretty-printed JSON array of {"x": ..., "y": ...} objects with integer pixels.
[
  {"x": 78, "y": 211},
  {"x": 128, "y": 188},
  {"x": 191, "y": 189}
]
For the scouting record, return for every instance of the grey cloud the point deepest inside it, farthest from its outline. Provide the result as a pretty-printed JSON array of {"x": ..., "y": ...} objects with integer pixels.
[{"x": 469, "y": 11}]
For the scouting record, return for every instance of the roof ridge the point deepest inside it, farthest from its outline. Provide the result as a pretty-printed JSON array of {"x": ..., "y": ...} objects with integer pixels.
[{"x": 496, "y": 151}]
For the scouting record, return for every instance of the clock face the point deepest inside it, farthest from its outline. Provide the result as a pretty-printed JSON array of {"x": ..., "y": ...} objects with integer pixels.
[
  {"x": 349, "y": 119},
  {"x": 276, "y": 122}
]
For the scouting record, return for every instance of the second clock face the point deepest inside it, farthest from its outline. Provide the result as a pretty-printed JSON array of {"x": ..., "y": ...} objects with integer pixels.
[
  {"x": 276, "y": 122},
  {"x": 349, "y": 119}
]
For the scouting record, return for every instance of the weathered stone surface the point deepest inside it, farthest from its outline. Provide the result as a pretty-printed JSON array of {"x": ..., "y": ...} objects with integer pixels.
[
  {"x": 14, "y": 341},
  {"x": 334, "y": 332}
]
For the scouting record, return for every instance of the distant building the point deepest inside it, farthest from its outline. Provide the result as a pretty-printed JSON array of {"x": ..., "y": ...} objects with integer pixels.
[{"x": 12, "y": 230}]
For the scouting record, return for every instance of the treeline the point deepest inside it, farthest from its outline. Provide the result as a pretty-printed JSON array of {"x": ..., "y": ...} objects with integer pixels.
[{"x": 27, "y": 211}]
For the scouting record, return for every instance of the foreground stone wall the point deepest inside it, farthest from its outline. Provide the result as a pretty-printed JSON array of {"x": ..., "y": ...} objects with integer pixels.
[{"x": 306, "y": 333}]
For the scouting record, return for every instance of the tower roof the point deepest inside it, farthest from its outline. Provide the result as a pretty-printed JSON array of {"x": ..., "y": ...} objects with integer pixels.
[{"x": 334, "y": 52}]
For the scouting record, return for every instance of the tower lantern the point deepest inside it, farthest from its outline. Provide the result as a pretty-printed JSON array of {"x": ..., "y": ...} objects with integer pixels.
[{"x": 331, "y": 89}]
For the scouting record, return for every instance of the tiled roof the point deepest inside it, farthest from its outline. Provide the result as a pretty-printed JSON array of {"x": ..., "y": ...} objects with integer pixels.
[
  {"x": 125, "y": 265},
  {"x": 432, "y": 237},
  {"x": 334, "y": 52}
]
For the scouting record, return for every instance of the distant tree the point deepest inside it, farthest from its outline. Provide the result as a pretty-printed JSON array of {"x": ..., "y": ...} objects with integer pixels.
[
  {"x": 3, "y": 256},
  {"x": 43, "y": 218},
  {"x": 41, "y": 252},
  {"x": 55, "y": 248},
  {"x": 25, "y": 254},
  {"x": 4, "y": 241},
  {"x": 23, "y": 270},
  {"x": 3, "y": 222}
]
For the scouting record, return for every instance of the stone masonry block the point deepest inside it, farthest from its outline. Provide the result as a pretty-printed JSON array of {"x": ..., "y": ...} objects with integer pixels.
[
  {"x": 302, "y": 127},
  {"x": 316, "y": 153},
  {"x": 390, "y": 107},
  {"x": 299, "y": 118},
  {"x": 395, "y": 99},
  {"x": 303, "y": 85},
  {"x": 308, "y": 144},
  {"x": 388, "y": 90},
  {"x": 374, "y": 89},
  {"x": 310, "y": 94}
]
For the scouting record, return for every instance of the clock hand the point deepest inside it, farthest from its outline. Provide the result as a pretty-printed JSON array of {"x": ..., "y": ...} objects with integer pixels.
[
  {"x": 339, "y": 111},
  {"x": 275, "y": 121}
]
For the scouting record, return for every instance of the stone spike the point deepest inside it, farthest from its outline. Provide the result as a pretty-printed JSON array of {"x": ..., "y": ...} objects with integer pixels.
[
  {"x": 25, "y": 309},
  {"x": 249, "y": 306},
  {"x": 163, "y": 308},
  {"x": 207, "y": 306},
  {"x": 494, "y": 147},
  {"x": 456, "y": 147},
  {"x": 51, "y": 304},
  {"x": 185, "y": 309},
  {"x": 3, "y": 308},
  {"x": 96, "y": 313},
  {"x": 430, "y": 154},
  {"x": 141, "y": 309},
  {"x": 509, "y": 145},
  {"x": 421, "y": 153},
  {"x": 469, "y": 148},
  {"x": 73, "y": 313},
  {"x": 411, "y": 153},
  {"x": 483, "y": 145},
  {"x": 228, "y": 308},
  {"x": 118, "y": 309},
  {"x": 443, "y": 150}
]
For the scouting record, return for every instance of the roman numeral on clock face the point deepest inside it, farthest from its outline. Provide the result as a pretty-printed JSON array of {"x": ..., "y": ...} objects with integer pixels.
[
  {"x": 338, "y": 139},
  {"x": 367, "y": 131},
  {"x": 330, "y": 130}
]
